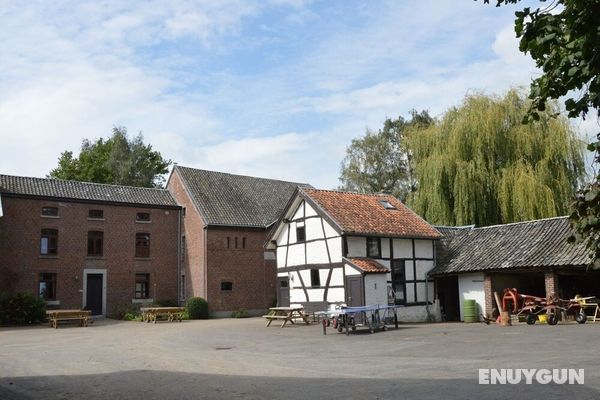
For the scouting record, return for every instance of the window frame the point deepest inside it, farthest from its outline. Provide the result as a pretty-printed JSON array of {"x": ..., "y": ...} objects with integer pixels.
[
  {"x": 300, "y": 228},
  {"x": 141, "y": 216},
  {"x": 47, "y": 277},
  {"x": 92, "y": 211},
  {"x": 144, "y": 291},
  {"x": 398, "y": 267},
  {"x": 96, "y": 240},
  {"x": 370, "y": 240},
  {"x": 142, "y": 250},
  {"x": 315, "y": 273},
  {"x": 49, "y": 211},
  {"x": 51, "y": 236},
  {"x": 226, "y": 286}
]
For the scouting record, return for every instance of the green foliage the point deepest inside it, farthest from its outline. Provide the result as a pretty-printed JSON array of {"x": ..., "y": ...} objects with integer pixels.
[
  {"x": 241, "y": 313},
  {"x": 117, "y": 160},
  {"x": 21, "y": 309},
  {"x": 379, "y": 162},
  {"x": 197, "y": 308},
  {"x": 132, "y": 316},
  {"x": 480, "y": 165},
  {"x": 126, "y": 313}
]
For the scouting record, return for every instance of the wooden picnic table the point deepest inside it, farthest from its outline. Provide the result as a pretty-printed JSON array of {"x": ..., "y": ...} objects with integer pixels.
[
  {"x": 286, "y": 314},
  {"x": 150, "y": 314},
  {"x": 55, "y": 316}
]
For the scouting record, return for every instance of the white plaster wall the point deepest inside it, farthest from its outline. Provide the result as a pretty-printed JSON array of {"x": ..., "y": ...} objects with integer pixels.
[
  {"x": 315, "y": 294},
  {"x": 402, "y": 248},
  {"x": 337, "y": 277},
  {"x": 316, "y": 252},
  {"x": 329, "y": 231},
  {"x": 282, "y": 238},
  {"x": 385, "y": 248},
  {"x": 306, "y": 277},
  {"x": 335, "y": 249},
  {"x": 423, "y": 267},
  {"x": 470, "y": 286},
  {"x": 296, "y": 255},
  {"x": 336, "y": 295},
  {"x": 314, "y": 230},
  {"x": 410, "y": 293},
  {"x": 292, "y": 226},
  {"x": 375, "y": 289},
  {"x": 408, "y": 270},
  {"x": 419, "y": 313},
  {"x": 281, "y": 257},
  {"x": 350, "y": 271},
  {"x": 423, "y": 248},
  {"x": 309, "y": 210},
  {"x": 299, "y": 211},
  {"x": 357, "y": 246}
]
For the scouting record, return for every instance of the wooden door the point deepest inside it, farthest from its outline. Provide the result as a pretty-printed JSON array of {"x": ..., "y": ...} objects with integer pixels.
[
  {"x": 94, "y": 293},
  {"x": 354, "y": 291},
  {"x": 283, "y": 292}
]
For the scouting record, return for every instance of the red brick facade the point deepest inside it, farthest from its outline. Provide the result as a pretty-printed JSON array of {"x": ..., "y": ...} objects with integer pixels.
[
  {"x": 21, "y": 262},
  {"x": 208, "y": 262}
]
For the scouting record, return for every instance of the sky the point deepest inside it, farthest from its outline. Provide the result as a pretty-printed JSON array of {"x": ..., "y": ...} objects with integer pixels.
[{"x": 270, "y": 88}]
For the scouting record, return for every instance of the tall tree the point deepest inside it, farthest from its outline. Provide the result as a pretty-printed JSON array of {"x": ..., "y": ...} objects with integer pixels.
[
  {"x": 563, "y": 38},
  {"x": 379, "y": 161},
  {"x": 480, "y": 165},
  {"x": 117, "y": 160}
]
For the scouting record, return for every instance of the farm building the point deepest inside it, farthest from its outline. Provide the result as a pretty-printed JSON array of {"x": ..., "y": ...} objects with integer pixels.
[
  {"x": 534, "y": 257},
  {"x": 86, "y": 245},
  {"x": 224, "y": 227},
  {"x": 338, "y": 247}
]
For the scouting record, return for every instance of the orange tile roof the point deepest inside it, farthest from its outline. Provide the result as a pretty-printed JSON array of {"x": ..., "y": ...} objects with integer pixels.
[
  {"x": 368, "y": 265},
  {"x": 364, "y": 214}
]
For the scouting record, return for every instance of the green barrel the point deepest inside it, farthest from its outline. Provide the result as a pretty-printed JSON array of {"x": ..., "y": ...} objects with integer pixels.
[{"x": 470, "y": 311}]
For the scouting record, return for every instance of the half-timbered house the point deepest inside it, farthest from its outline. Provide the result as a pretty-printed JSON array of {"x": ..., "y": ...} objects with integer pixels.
[{"x": 355, "y": 249}]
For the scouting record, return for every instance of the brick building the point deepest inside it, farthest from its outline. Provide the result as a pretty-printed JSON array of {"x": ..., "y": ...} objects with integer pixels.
[
  {"x": 224, "y": 229},
  {"x": 78, "y": 244}
]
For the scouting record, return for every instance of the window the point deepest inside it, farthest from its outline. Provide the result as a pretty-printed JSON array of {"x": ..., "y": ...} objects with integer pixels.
[
  {"x": 243, "y": 243},
  {"x": 399, "y": 281},
  {"x": 236, "y": 242},
  {"x": 49, "y": 242},
  {"x": 142, "y": 245},
  {"x": 228, "y": 242},
  {"x": 95, "y": 243},
  {"x": 226, "y": 286},
  {"x": 315, "y": 278},
  {"x": 50, "y": 211},
  {"x": 387, "y": 205},
  {"x": 183, "y": 248},
  {"x": 48, "y": 286},
  {"x": 142, "y": 286},
  {"x": 142, "y": 217},
  {"x": 96, "y": 214},
  {"x": 182, "y": 289},
  {"x": 373, "y": 247},
  {"x": 300, "y": 233}
]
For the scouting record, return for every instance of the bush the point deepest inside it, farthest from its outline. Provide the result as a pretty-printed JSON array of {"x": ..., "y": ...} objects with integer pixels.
[
  {"x": 197, "y": 308},
  {"x": 21, "y": 309},
  {"x": 241, "y": 313}
]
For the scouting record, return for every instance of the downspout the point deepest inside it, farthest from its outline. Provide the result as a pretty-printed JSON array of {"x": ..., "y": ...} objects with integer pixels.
[{"x": 179, "y": 299}]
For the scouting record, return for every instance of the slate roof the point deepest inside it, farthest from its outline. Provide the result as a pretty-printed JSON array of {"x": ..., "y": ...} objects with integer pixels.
[
  {"x": 236, "y": 200},
  {"x": 523, "y": 245},
  {"x": 364, "y": 214},
  {"x": 84, "y": 191},
  {"x": 368, "y": 265}
]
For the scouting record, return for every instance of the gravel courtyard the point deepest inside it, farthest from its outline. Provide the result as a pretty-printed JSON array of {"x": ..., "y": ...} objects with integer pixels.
[{"x": 241, "y": 358}]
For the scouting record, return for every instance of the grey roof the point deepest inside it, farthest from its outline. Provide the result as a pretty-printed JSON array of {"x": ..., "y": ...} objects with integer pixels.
[
  {"x": 85, "y": 191},
  {"x": 236, "y": 200},
  {"x": 532, "y": 244}
]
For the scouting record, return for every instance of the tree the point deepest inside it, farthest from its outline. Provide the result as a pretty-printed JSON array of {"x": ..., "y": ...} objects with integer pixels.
[
  {"x": 116, "y": 160},
  {"x": 379, "y": 161},
  {"x": 564, "y": 40},
  {"x": 480, "y": 165}
]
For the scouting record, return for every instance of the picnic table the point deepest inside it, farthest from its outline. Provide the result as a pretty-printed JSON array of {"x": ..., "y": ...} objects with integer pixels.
[
  {"x": 56, "y": 316},
  {"x": 150, "y": 314},
  {"x": 286, "y": 314}
]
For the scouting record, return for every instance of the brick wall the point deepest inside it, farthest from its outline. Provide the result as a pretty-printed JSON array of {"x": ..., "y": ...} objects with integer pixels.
[
  {"x": 490, "y": 302},
  {"x": 21, "y": 263},
  {"x": 551, "y": 283}
]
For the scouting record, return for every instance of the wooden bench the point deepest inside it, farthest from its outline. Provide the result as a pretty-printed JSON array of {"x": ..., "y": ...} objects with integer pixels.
[
  {"x": 151, "y": 314},
  {"x": 56, "y": 316},
  {"x": 287, "y": 314}
]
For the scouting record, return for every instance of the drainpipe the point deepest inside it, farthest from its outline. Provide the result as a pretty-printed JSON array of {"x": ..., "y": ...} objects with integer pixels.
[{"x": 179, "y": 258}]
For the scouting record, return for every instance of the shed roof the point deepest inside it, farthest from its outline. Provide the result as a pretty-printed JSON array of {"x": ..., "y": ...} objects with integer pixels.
[
  {"x": 367, "y": 214},
  {"x": 84, "y": 191},
  {"x": 236, "y": 200},
  {"x": 531, "y": 244},
  {"x": 368, "y": 265}
]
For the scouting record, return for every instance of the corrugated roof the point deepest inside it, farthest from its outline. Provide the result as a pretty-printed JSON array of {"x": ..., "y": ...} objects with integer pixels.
[
  {"x": 368, "y": 265},
  {"x": 365, "y": 214},
  {"x": 57, "y": 188},
  {"x": 532, "y": 244},
  {"x": 236, "y": 200}
]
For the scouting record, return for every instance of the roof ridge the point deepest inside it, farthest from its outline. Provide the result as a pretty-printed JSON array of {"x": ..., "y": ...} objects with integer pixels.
[
  {"x": 83, "y": 182},
  {"x": 240, "y": 175},
  {"x": 521, "y": 222},
  {"x": 362, "y": 194}
]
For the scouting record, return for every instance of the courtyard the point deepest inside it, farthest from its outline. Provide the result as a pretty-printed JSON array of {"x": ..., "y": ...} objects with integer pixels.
[{"x": 241, "y": 358}]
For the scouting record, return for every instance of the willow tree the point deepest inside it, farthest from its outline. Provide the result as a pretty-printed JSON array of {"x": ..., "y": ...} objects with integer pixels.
[{"x": 479, "y": 164}]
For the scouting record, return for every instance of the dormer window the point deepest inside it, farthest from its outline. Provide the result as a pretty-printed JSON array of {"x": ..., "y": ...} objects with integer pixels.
[{"x": 387, "y": 205}]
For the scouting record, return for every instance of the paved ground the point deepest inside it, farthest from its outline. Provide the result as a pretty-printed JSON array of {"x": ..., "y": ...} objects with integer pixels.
[{"x": 242, "y": 359}]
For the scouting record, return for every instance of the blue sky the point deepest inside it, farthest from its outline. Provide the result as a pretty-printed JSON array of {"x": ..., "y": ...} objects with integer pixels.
[{"x": 267, "y": 88}]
